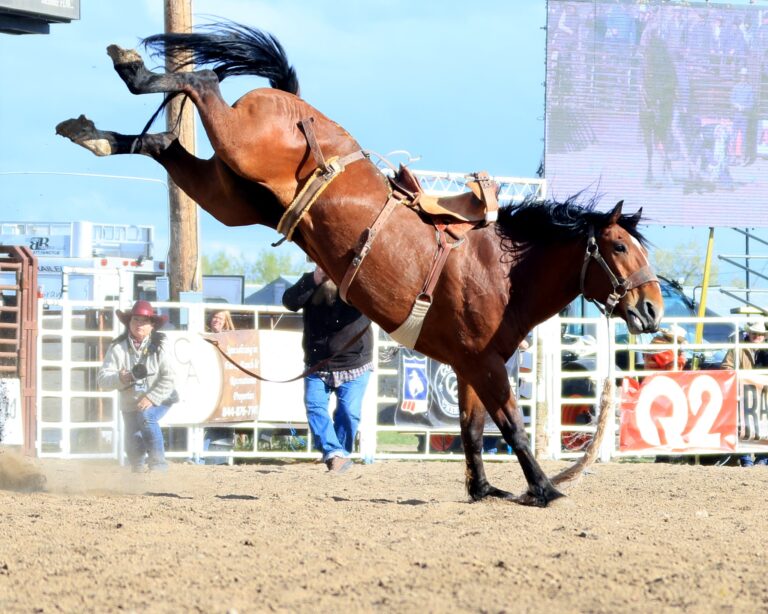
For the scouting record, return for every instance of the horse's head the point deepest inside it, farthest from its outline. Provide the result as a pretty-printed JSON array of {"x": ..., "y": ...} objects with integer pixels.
[{"x": 616, "y": 273}]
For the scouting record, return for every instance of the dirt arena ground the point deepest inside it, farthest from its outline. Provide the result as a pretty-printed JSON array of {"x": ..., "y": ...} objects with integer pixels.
[{"x": 391, "y": 537}]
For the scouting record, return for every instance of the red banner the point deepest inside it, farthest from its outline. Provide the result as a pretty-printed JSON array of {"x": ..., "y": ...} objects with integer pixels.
[{"x": 676, "y": 411}]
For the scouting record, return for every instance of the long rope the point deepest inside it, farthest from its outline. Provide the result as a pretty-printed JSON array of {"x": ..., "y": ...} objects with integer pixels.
[
  {"x": 314, "y": 368},
  {"x": 572, "y": 474}
]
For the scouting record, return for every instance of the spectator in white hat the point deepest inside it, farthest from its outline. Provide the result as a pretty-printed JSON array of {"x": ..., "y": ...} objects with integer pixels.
[
  {"x": 664, "y": 360},
  {"x": 748, "y": 358}
]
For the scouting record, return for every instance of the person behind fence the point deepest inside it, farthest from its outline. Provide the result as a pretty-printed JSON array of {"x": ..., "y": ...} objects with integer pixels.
[
  {"x": 138, "y": 365},
  {"x": 749, "y": 358},
  {"x": 219, "y": 321},
  {"x": 664, "y": 360},
  {"x": 330, "y": 329}
]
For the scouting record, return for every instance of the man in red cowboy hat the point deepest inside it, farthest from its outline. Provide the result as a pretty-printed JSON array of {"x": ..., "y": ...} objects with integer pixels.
[{"x": 138, "y": 365}]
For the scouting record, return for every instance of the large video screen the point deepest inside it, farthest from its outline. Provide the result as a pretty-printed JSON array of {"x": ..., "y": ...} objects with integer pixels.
[{"x": 662, "y": 105}]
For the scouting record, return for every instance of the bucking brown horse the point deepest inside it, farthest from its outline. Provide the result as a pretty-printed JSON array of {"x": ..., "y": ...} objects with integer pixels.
[{"x": 281, "y": 163}]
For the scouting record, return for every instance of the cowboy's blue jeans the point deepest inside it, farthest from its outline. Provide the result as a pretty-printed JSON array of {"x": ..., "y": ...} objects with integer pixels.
[
  {"x": 746, "y": 460},
  {"x": 143, "y": 437},
  {"x": 334, "y": 437}
]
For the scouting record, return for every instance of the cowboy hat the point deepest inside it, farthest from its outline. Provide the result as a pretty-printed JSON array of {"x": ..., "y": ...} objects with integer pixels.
[
  {"x": 142, "y": 308},
  {"x": 756, "y": 328},
  {"x": 674, "y": 332}
]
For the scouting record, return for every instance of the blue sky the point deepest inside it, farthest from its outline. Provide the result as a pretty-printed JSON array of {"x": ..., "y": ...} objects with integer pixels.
[
  {"x": 457, "y": 83},
  {"x": 447, "y": 89}
]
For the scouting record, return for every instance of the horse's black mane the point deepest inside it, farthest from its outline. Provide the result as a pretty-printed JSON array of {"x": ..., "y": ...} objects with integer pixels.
[{"x": 534, "y": 222}]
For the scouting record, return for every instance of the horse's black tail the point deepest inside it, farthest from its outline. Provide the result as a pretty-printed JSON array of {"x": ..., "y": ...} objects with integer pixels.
[{"x": 230, "y": 49}]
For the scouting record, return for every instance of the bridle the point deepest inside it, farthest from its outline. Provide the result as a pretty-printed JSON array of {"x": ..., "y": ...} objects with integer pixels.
[{"x": 620, "y": 285}]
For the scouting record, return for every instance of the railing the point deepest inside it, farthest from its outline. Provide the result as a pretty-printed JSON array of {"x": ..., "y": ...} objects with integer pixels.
[
  {"x": 575, "y": 383},
  {"x": 511, "y": 189},
  {"x": 559, "y": 389},
  {"x": 76, "y": 420}
]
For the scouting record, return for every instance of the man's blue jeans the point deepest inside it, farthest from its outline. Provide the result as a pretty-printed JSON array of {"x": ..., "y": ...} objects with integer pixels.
[
  {"x": 143, "y": 437},
  {"x": 334, "y": 437},
  {"x": 760, "y": 459}
]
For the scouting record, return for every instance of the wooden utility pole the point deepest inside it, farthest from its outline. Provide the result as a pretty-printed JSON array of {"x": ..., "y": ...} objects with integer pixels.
[{"x": 183, "y": 255}]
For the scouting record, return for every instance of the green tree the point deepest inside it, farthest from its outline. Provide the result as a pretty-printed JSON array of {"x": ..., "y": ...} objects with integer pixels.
[
  {"x": 684, "y": 263},
  {"x": 220, "y": 264},
  {"x": 265, "y": 267}
]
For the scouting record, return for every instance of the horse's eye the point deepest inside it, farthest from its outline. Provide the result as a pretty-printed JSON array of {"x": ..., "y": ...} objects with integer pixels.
[{"x": 620, "y": 248}]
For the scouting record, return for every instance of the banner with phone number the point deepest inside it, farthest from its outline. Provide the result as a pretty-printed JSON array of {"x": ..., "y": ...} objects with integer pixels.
[{"x": 679, "y": 411}]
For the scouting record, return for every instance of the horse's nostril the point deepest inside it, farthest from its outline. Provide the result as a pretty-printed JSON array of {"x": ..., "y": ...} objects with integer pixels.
[{"x": 650, "y": 311}]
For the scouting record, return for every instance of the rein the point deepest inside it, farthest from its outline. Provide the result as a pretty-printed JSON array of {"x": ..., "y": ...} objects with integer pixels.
[
  {"x": 313, "y": 369},
  {"x": 621, "y": 286}
]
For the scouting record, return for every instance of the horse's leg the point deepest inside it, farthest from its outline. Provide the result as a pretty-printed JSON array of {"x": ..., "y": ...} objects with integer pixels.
[
  {"x": 130, "y": 66},
  {"x": 231, "y": 132},
  {"x": 83, "y": 132},
  {"x": 472, "y": 417},
  {"x": 210, "y": 183},
  {"x": 495, "y": 393}
]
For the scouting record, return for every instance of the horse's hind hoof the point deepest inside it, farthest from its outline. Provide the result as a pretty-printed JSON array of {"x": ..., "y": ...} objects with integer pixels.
[
  {"x": 83, "y": 132},
  {"x": 499, "y": 494},
  {"x": 478, "y": 492},
  {"x": 123, "y": 56},
  {"x": 548, "y": 499}
]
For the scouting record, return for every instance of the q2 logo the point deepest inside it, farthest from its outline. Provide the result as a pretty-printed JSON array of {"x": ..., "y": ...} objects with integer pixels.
[{"x": 680, "y": 411}]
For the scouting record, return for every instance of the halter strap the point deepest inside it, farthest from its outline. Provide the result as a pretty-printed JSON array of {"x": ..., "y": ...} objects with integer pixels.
[{"x": 621, "y": 286}]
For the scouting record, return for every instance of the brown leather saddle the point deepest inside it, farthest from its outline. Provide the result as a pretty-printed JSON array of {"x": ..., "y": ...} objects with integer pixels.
[{"x": 478, "y": 207}]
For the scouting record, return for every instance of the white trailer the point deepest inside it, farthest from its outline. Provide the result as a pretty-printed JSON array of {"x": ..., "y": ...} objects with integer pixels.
[{"x": 89, "y": 261}]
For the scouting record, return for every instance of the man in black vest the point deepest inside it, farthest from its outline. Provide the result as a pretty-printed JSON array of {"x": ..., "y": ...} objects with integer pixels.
[{"x": 329, "y": 327}]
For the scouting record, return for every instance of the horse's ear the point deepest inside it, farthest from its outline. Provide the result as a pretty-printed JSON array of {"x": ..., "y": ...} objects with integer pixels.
[
  {"x": 635, "y": 219},
  {"x": 616, "y": 213}
]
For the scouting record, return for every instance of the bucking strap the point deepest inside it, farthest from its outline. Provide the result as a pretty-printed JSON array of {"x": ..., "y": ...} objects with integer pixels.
[
  {"x": 366, "y": 241},
  {"x": 326, "y": 171},
  {"x": 408, "y": 332},
  {"x": 313, "y": 188}
]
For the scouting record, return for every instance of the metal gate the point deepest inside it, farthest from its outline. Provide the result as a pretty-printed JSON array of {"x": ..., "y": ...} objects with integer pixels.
[{"x": 18, "y": 330}]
